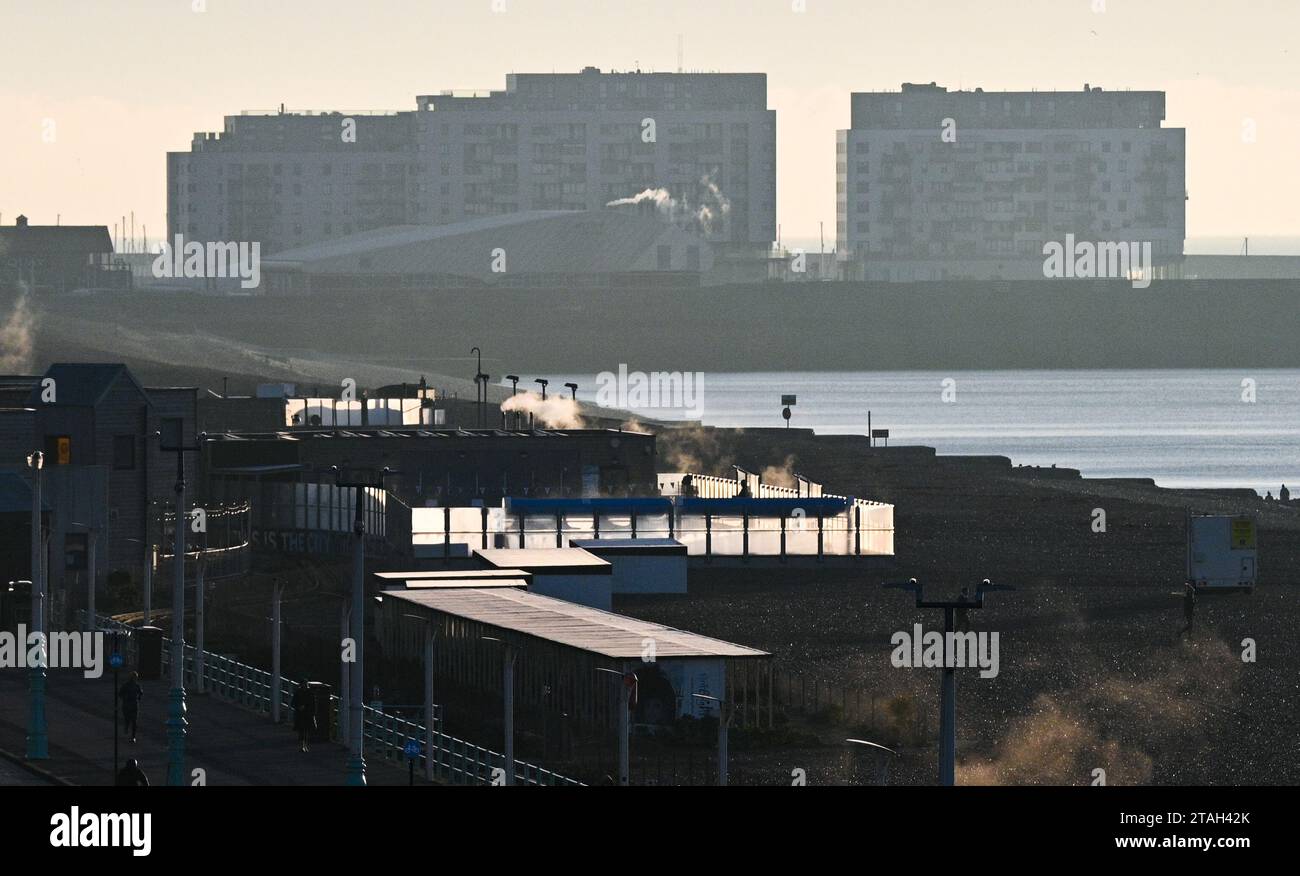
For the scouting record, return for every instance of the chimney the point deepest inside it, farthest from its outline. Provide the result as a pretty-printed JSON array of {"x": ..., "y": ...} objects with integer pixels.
[{"x": 21, "y": 222}]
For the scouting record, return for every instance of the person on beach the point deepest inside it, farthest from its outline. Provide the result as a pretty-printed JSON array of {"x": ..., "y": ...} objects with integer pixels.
[
  {"x": 130, "y": 695},
  {"x": 1284, "y": 495},
  {"x": 131, "y": 776},
  {"x": 1189, "y": 608},
  {"x": 304, "y": 713}
]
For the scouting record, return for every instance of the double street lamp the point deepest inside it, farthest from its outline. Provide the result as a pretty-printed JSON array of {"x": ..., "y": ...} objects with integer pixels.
[
  {"x": 37, "y": 734},
  {"x": 176, "y": 723},
  {"x": 359, "y": 481}
]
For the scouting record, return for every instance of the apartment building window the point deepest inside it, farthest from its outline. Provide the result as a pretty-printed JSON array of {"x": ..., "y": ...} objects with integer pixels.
[
  {"x": 123, "y": 452},
  {"x": 58, "y": 450}
]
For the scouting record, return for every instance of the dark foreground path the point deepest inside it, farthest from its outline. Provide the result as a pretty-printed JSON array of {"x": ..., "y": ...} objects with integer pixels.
[{"x": 234, "y": 746}]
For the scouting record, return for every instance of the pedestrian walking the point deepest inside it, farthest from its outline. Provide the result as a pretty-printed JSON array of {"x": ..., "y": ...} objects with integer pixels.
[
  {"x": 304, "y": 713},
  {"x": 131, "y": 776},
  {"x": 1189, "y": 608},
  {"x": 130, "y": 695}
]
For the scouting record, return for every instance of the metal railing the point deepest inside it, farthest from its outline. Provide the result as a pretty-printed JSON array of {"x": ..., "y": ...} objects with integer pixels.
[{"x": 455, "y": 761}]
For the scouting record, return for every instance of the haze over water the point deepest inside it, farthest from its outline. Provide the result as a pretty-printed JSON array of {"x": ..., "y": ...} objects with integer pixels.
[{"x": 1184, "y": 428}]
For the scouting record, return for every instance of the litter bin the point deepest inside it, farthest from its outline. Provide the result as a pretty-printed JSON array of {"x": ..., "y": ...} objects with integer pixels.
[
  {"x": 149, "y": 653},
  {"x": 321, "y": 693}
]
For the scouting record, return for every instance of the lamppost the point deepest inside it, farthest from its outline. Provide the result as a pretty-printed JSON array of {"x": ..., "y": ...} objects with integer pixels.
[
  {"x": 430, "y": 638},
  {"x": 573, "y": 390},
  {"x": 507, "y": 704},
  {"x": 480, "y": 389},
  {"x": 544, "y": 382},
  {"x": 948, "y": 691},
  {"x": 514, "y": 388},
  {"x": 874, "y": 747},
  {"x": 176, "y": 723},
  {"x": 37, "y": 734},
  {"x": 115, "y": 661},
  {"x": 626, "y": 702},
  {"x": 356, "y": 769},
  {"x": 91, "y": 539},
  {"x": 724, "y": 722}
]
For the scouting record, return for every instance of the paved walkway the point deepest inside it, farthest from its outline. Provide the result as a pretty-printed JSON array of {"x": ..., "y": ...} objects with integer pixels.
[{"x": 233, "y": 745}]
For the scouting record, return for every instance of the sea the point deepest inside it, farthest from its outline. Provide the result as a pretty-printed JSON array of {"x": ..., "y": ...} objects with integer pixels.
[{"x": 1182, "y": 428}]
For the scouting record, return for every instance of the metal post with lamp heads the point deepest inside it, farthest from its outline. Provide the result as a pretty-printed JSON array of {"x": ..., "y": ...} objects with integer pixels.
[
  {"x": 628, "y": 682},
  {"x": 37, "y": 731},
  {"x": 356, "y": 766},
  {"x": 948, "y": 691},
  {"x": 176, "y": 722},
  {"x": 725, "y": 715}
]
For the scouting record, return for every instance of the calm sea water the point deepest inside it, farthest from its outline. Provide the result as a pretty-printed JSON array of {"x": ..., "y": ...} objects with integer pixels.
[{"x": 1184, "y": 428}]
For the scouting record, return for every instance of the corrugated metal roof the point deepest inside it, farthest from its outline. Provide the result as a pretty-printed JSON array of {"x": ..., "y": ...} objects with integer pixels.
[
  {"x": 542, "y": 558},
  {"x": 463, "y": 583},
  {"x": 567, "y": 623}
]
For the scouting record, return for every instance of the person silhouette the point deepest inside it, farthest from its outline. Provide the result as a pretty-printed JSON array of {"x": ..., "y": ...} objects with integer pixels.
[
  {"x": 131, "y": 776},
  {"x": 130, "y": 695}
]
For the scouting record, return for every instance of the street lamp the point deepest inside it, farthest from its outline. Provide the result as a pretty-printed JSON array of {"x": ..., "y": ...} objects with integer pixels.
[
  {"x": 37, "y": 734},
  {"x": 724, "y": 721},
  {"x": 874, "y": 748},
  {"x": 573, "y": 389},
  {"x": 508, "y": 704},
  {"x": 544, "y": 382},
  {"x": 514, "y": 388},
  {"x": 480, "y": 388},
  {"x": 948, "y": 694},
  {"x": 626, "y": 692},
  {"x": 176, "y": 723},
  {"x": 430, "y": 638},
  {"x": 356, "y": 769},
  {"x": 91, "y": 538}
]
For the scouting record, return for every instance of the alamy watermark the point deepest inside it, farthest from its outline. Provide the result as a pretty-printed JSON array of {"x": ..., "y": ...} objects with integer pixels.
[
  {"x": 1111, "y": 259},
  {"x": 214, "y": 260},
  {"x": 681, "y": 391},
  {"x": 956, "y": 650},
  {"x": 61, "y": 650}
]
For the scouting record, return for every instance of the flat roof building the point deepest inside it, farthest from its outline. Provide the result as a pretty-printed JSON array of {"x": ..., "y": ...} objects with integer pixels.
[
  {"x": 698, "y": 147},
  {"x": 935, "y": 184}
]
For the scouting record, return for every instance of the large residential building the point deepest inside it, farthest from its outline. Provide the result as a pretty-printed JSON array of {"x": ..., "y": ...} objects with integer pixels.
[
  {"x": 935, "y": 184},
  {"x": 698, "y": 148}
]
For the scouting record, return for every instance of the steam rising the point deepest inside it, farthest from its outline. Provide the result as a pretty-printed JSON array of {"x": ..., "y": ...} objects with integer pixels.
[
  {"x": 17, "y": 337},
  {"x": 713, "y": 204},
  {"x": 556, "y": 412},
  {"x": 1063, "y": 738},
  {"x": 781, "y": 475}
]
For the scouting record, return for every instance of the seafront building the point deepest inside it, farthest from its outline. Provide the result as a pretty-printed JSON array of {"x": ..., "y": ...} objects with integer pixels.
[
  {"x": 936, "y": 185},
  {"x": 697, "y": 148}
]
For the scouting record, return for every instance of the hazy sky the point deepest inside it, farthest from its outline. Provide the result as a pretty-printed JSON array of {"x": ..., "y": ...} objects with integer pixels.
[{"x": 123, "y": 82}]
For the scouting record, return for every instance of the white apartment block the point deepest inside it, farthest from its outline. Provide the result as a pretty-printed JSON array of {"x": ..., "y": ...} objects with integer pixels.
[
  {"x": 938, "y": 185},
  {"x": 698, "y": 147}
]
